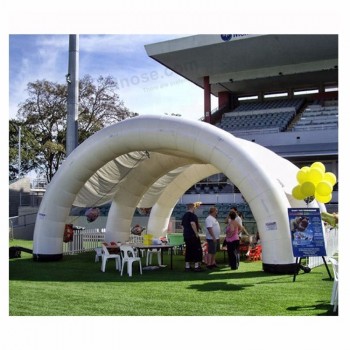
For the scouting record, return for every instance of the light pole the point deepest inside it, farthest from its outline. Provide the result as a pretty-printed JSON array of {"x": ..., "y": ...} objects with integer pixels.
[
  {"x": 72, "y": 79},
  {"x": 19, "y": 152}
]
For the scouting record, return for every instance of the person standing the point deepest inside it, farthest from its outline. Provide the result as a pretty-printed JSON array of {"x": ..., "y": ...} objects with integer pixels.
[
  {"x": 239, "y": 219},
  {"x": 228, "y": 215},
  {"x": 212, "y": 236},
  {"x": 190, "y": 225},
  {"x": 232, "y": 240},
  {"x": 239, "y": 216}
]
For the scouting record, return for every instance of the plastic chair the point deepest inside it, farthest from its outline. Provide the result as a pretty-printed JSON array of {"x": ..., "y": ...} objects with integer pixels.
[
  {"x": 98, "y": 251},
  {"x": 137, "y": 240},
  {"x": 128, "y": 256},
  {"x": 334, "y": 297},
  {"x": 149, "y": 256},
  {"x": 107, "y": 255}
]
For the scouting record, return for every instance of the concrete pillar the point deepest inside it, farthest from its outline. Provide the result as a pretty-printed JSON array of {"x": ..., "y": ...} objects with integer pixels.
[{"x": 207, "y": 102}]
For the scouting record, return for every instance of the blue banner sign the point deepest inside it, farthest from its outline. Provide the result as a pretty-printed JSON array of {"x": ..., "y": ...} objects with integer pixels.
[{"x": 306, "y": 229}]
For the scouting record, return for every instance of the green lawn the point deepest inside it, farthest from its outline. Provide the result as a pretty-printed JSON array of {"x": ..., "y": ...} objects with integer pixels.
[{"x": 75, "y": 286}]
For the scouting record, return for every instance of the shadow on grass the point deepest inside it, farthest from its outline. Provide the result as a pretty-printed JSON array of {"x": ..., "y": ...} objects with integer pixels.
[
  {"x": 82, "y": 268},
  {"x": 325, "y": 308},
  {"x": 220, "y": 286}
]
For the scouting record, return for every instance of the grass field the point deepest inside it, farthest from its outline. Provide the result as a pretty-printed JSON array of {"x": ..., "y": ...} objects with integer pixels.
[{"x": 75, "y": 286}]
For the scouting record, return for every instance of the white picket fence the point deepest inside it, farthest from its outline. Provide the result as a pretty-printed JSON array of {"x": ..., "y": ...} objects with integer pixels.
[{"x": 84, "y": 241}]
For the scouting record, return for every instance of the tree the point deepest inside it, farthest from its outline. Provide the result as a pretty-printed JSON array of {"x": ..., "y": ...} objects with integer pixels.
[
  {"x": 99, "y": 105},
  {"x": 43, "y": 118},
  {"x": 28, "y": 151}
]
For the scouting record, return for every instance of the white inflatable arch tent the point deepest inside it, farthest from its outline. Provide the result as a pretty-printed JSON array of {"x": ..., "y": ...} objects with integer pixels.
[{"x": 150, "y": 161}]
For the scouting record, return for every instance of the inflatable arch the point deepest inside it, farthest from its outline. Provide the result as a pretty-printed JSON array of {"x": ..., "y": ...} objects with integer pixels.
[{"x": 150, "y": 161}]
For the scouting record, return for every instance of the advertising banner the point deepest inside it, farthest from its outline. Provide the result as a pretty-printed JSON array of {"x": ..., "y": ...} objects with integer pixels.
[{"x": 306, "y": 229}]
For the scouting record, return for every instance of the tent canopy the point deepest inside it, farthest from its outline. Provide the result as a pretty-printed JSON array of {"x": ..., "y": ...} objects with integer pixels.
[{"x": 150, "y": 161}]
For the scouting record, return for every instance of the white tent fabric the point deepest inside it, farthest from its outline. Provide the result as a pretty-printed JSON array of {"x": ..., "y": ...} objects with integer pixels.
[
  {"x": 123, "y": 205},
  {"x": 150, "y": 198},
  {"x": 146, "y": 177},
  {"x": 101, "y": 186},
  {"x": 162, "y": 208},
  {"x": 153, "y": 160}
]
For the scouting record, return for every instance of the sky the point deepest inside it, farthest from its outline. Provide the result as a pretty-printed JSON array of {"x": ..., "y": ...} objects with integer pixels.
[
  {"x": 35, "y": 34},
  {"x": 145, "y": 86}
]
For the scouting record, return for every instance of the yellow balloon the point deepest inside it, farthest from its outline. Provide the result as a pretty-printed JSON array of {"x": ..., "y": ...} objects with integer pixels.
[
  {"x": 318, "y": 165},
  {"x": 330, "y": 177},
  {"x": 324, "y": 188},
  {"x": 323, "y": 199},
  {"x": 307, "y": 189},
  {"x": 316, "y": 175},
  {"x": 302, "y": 175},
  {"x": 296, "y": 193}
]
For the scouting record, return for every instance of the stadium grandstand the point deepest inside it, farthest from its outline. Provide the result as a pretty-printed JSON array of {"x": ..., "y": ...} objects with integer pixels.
[{"x": 280, "y": 91}]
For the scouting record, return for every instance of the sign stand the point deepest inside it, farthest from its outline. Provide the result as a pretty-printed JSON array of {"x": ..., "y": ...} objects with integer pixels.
[
  {"x": 299, "y": 266},
  {"x": 306, "y": 228}
]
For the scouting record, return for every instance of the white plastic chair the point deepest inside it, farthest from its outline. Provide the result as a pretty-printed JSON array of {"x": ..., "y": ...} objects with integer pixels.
[
  {"x": 137, "y": 240},
  {"x": 107, "y": 255},
  {"x": 128, "y": 256},
  {"x": 334, "y": 297},
  {"x": 150, "y": 253},
  {"x": 98, "y": 251}
]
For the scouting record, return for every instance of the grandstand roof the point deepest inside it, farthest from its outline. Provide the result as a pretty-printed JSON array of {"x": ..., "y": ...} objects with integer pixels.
[{"x": 245, "y": 64}]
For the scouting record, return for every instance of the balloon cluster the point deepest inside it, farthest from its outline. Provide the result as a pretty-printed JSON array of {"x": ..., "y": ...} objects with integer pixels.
[
  {"x": 92, "y": 214},
  {"x": 314, "y": 182},
  {"x": 197, "y": 204}
]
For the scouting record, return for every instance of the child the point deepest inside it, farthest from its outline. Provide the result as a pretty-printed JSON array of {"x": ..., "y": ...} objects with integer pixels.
[{"x": 205, "y": 252}]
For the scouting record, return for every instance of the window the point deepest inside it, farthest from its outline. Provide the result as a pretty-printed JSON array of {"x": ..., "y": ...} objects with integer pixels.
[
  {"x": 245, "y": 98},
  {"x": 278, "y": 94},
  {"x": 306, "y": 92}
]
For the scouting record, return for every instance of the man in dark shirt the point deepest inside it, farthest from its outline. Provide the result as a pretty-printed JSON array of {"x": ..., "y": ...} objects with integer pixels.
[{"x": 192, "y": 240}]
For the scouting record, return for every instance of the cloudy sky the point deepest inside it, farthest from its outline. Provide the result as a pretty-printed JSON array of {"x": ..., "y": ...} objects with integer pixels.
[
  {"x": 38, "y": 37},
  {"x": 145, "y": 86}
]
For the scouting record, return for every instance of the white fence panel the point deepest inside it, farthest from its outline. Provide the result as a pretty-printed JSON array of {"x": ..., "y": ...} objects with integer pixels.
[
  {"x": 84, "y": 241},
  {"x": 331, "y": 241}
]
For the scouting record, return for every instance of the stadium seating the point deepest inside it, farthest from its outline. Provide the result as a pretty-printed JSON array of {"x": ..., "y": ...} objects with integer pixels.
[
  {"x": 270, "y": 116},
  {"x": 317, "y": 117}
]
